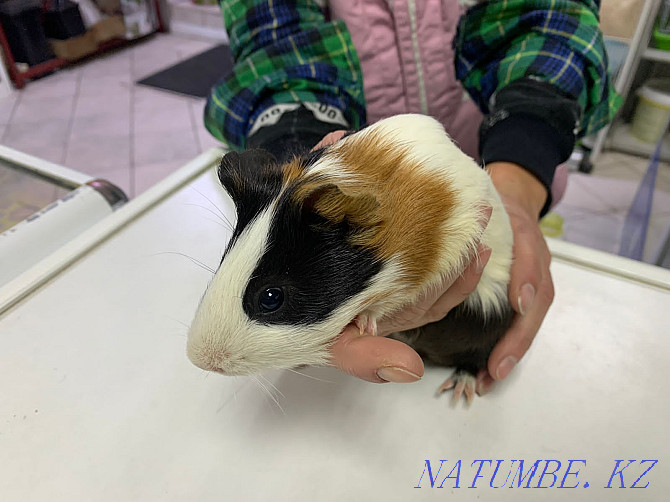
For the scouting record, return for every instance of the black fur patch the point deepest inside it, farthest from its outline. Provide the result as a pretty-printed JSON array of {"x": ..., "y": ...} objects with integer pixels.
[
  {"x": 463, "y": 339},
  {"x": 253, "y": 180},
  {"x": 311, "y": 260},
  {"x": 309, "y": 159},
  {"x": 314, "y": 264}
]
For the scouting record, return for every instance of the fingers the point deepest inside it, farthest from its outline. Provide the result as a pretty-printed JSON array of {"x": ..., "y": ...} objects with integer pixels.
[
  {"x": 375, "y": 359},
  {"x": 330, "y": 138},
  {"x": 484, "y": 382},
  {"x": 530, "y": 292},
  {"x": 530, "y": 268}
]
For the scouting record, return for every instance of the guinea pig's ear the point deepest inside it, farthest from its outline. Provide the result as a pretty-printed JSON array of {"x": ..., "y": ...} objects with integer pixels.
[
  {"x": 338, "y": 202},
  {"x": 250, "y": 175}
]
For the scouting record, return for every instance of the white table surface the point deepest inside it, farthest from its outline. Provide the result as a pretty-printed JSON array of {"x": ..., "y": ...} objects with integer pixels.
[{"x": 99, "y": 402}]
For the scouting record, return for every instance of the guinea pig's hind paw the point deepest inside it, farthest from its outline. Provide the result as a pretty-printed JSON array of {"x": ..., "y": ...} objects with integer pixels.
[{"x": 463, "y": 383}]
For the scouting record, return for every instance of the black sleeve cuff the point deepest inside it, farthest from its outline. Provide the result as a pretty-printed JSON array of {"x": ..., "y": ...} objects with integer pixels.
[
  {"x": 294, "y": 134},
  {"x": 531, "y": 124},
  {"x": 529, "y": 142}
]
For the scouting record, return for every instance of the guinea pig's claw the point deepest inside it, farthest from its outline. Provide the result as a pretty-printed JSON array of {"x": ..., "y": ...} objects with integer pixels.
[
  {"x": 470, "y": 392},
  {"x": 449, "y": 383},
  {"x": 367, "y": 325},
  {"x": 462, "y": 383}
]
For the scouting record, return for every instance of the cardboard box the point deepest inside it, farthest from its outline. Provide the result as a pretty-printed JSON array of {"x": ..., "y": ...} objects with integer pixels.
[
  {"x": 618, "y": 18},
  {"x": 75, "y": 47},
  {"x": 86, "y": 44},
  {"x": 109, "y": 28},
  {"x": 109, "y": 7},
  {"x": 140, "y": 18}
]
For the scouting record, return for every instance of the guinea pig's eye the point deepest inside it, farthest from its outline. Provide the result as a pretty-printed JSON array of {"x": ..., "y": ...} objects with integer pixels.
[{"x": 271, "y": 299}]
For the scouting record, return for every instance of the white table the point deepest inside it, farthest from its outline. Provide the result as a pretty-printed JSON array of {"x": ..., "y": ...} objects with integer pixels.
[{"x": 99, "y": 402}]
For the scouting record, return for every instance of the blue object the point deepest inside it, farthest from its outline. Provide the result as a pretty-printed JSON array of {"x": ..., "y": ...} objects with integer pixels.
[
  {"x": 634, "y": 233},
  {"x": 616, "y": 54}
]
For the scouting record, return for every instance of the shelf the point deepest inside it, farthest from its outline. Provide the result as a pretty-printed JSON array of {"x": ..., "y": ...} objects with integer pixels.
[
  {"x": 204, "y": 21},
  {"x": 621, "y": 139},
  {"x": 20, "y": 78},
  {"x": 652, "y": 54}
]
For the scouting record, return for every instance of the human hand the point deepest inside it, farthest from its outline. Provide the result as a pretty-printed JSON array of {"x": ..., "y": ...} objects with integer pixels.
[
  {"x": 531, "y": 290},
  {"x": 330, "y": 138}
]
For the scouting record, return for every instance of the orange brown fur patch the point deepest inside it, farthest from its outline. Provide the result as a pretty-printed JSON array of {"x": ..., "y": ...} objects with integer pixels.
[
  {"x": 292, "y": 170},
  {"x": 397, "y": 208}
]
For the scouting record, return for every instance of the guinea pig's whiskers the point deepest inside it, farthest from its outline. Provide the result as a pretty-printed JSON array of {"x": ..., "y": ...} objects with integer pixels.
[
  {"x": 218, "y": 209},
  {"x": 309, "y": 376},
  {"x": 178, "y": 321},
  {"x": 222, "y": 225},
  {"x": 220, "y": 220},
  {"x": 268, "y": 393},
  {"x": 196, "y": 262},
  {"x": 267, "y": 389},
  {"x": 267, "y": 381}
]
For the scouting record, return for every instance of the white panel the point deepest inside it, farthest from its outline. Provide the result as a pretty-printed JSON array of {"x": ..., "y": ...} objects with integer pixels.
[
  {"x": 35, "y": 238},
  {"x": 99, "y": 402},
  {"x": 44, "y": 167}
]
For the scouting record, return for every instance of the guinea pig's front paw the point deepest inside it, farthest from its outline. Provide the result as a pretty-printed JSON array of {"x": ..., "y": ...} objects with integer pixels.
[
  {"x": 366, "y": 323},
  {"x": 463, "y": 382}
]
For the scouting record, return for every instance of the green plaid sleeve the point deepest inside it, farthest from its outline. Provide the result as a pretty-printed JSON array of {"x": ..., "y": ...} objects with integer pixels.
[
  {"x": 556, "y": 41},
  {"x": 284, "y": 52}
]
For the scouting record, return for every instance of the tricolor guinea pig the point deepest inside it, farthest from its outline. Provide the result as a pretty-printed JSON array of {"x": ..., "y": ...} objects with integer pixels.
[{"x": 354, "y": 231}]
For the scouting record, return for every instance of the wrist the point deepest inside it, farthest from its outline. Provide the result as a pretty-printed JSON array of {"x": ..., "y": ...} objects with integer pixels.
[{"x": 518, "y": 187}]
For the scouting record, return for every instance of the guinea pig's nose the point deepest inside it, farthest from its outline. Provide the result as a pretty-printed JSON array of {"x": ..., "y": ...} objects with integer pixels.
[{"x": 209, "y": 358}]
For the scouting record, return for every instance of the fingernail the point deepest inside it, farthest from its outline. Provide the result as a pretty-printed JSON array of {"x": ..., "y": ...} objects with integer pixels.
[
  {"x": 397, "y": 375},
  {"x": 526, "y": 296},
  {"x": 483, "y": 255},
  {"x": 505, "y": 367}
]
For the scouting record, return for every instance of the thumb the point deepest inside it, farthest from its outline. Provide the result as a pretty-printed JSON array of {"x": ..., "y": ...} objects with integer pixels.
[{"x": 375, "y": 359}]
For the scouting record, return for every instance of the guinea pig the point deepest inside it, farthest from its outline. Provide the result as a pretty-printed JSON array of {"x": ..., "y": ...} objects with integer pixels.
[{"x": 354, "y": 231}]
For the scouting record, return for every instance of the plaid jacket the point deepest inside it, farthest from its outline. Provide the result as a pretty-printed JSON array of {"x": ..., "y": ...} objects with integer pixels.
[{"x": 287, "y": 52}]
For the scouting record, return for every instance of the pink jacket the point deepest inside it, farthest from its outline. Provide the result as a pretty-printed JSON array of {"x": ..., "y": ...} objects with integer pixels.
[{"x": 406, "y": 54}]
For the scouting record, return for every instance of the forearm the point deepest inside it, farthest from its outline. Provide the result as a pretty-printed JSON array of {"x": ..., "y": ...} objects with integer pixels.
[
  {"x": 538, "y": 69},
  {"x": 284, "y": 52},
  {"x": 555, "y": 42},
  {"x": 531, "y": 124},
  {"x": 517, "y": 186}
]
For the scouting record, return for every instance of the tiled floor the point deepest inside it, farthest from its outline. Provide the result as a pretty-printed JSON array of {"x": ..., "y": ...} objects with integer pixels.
[
  {"x": 94, "y": 119},
  {"x": 595, "y": 206}
]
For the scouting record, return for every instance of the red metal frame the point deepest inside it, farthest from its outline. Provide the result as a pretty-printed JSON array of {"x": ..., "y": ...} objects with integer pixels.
[
  {"x": 20, "y": 77},
  {"x": 159, "y": 16}
]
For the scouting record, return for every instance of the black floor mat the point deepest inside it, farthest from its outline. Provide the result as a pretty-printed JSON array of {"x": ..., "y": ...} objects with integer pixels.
[{"x": 195, "y": 76}]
